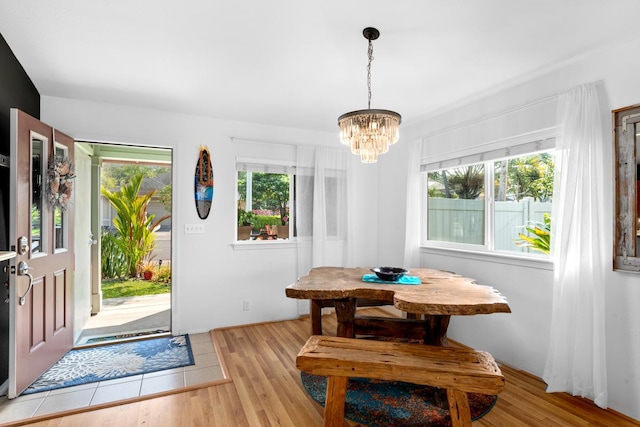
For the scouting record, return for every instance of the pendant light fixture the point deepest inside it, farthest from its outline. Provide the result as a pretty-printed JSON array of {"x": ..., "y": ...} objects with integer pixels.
[{"x": 369, "y": 132}]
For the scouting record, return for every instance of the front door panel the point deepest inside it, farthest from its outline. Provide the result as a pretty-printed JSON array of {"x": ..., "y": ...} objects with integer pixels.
[{"x": 41, "y": 329}]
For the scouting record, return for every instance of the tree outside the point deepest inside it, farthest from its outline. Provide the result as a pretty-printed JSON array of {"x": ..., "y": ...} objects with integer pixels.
[
  {"x": 526, "y": 176},
  {"x": 270, "y": 194},
  {"x": 516, "y": 178},
  {"x": 115, "y": 175}
]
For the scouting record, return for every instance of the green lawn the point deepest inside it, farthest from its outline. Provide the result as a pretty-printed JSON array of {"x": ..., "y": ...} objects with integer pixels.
[{"x": 115, "y": 288}]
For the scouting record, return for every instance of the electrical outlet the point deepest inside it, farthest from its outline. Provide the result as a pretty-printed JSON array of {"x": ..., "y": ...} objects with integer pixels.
[{"x": 245, "y": 305}]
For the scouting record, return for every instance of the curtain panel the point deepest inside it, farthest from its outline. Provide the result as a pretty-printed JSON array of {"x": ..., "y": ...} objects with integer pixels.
[
  {"x": 412, "y": 238},
  {"x": 576, "y": 360},
  {"x": 322, "y": 212}
]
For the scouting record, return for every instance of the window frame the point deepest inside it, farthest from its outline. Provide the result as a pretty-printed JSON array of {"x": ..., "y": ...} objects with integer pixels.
[
  {"x": 488, "y": 159},
  {"x": 266, "y": 166}
]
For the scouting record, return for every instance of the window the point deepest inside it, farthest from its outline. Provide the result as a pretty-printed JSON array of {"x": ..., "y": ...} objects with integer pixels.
[
  {"x": 455, "y": 205},
  {"x": 332, "y": 204},
  {"x": 491, "y": 205},
  {"x": 265, "y": 198}
]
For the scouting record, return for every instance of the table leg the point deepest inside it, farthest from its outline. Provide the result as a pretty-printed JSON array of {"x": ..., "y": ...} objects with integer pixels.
[
  {"x": 316, "y": 317},
  {"x": 437, "y": 327},
  {"x": 346, "y": 313}
]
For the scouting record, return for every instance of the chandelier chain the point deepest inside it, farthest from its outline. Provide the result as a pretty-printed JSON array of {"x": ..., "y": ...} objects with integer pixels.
[{"x": 370, "y": 55}]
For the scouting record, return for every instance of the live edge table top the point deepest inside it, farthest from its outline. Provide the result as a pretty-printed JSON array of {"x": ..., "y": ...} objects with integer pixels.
[{"x": 440, "y": 293}]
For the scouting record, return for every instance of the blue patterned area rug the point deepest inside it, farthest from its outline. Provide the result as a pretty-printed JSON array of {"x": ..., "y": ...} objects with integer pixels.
[
  {"x": 393, "y": 403},
  {"x": 108, "y": 362}
]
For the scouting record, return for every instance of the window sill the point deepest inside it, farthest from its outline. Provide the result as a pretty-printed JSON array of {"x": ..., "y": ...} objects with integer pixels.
[
  {"x": 249, "y": 245},
  {"x": 532, "y": 261}
]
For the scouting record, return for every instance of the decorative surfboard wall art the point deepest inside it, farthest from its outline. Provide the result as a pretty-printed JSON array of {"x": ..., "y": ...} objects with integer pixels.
[{"x": 203, "y": 183}]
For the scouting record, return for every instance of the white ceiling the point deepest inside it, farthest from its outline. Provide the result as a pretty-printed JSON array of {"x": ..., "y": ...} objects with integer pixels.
[{"x": 300, "y": 63}]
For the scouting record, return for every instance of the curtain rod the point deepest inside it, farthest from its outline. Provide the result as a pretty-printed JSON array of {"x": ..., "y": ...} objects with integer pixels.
[{"x": 288, "y": 144}]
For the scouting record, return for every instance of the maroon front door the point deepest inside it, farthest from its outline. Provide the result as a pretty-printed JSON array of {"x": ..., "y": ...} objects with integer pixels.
[{"x": 41, "y": 232}]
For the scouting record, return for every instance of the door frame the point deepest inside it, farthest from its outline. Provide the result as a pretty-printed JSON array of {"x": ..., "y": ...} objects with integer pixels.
[{"x": 97, "y": 151}]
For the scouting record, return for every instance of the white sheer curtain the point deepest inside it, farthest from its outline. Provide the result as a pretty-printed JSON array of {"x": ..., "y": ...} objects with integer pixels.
[
  {"x": 321, "y": 207},
  {"x": 576, "y": 361},
  {"x": 413, "y": 205}
]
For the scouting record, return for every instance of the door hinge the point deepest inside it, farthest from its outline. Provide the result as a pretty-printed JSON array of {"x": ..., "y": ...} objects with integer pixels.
[{"x": 5, "y": 161}]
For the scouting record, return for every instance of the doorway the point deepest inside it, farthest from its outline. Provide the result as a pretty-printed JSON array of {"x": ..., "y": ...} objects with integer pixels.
[{"x": 110, "y": 304}]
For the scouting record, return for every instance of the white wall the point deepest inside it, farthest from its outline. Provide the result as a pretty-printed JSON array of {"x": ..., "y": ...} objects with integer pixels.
[
  {"x": 520, "y": 339},
  {"x": 211, "y": 278}
]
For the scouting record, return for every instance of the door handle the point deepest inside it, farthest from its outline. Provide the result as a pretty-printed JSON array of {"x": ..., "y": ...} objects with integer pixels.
[{"x": 23, "y": 270}]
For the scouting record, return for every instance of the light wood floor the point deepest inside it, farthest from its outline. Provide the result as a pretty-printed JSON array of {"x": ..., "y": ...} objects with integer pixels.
[{"x": 265, "y": 391}]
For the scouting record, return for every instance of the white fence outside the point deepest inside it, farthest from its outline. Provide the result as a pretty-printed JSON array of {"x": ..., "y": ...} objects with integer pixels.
[{"x": 462, "y": 221}]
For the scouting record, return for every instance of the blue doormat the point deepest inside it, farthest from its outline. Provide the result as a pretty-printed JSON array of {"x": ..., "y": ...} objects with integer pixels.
[
  {"x": 378, "y": 403},
  {"x": 108, "y": 362}
]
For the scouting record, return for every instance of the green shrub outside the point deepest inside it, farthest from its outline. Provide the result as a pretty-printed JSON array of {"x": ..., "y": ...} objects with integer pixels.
[
  {"x": 114, "y": 263},
  {"x": 163, "y": 274},
  {"x": 263, "y": 220},
  {"x": 245, "y": 218}
]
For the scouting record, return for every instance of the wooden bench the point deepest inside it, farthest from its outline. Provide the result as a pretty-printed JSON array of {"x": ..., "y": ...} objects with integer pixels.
[{"x": 457, "y": 370}]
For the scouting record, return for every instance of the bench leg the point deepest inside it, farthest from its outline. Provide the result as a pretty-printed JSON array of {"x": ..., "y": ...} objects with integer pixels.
[
  {"x": 334, "y": 403},
  {"x": 459, "y": 408}
]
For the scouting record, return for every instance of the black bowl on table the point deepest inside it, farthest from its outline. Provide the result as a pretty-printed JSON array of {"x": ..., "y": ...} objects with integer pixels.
[{"x": 389, "y": 274}]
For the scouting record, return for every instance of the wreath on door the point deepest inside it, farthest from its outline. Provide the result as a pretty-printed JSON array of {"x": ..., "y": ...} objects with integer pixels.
[{"x": 60, "y": 182}]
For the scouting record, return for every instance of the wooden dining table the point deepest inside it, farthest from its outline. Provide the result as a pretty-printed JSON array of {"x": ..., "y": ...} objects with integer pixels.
[{"x": 429, "y": 305}]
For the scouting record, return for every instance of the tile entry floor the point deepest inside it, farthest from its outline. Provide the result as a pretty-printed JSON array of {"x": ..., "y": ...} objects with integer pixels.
[{"x": 206, "y": 369}]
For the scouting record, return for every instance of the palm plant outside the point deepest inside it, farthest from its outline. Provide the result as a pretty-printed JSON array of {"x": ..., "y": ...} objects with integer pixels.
[
  {"x": 134, "y": 227},
  {"x": 539, "y": 237},
  {"x": 517, "y": 178}
]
